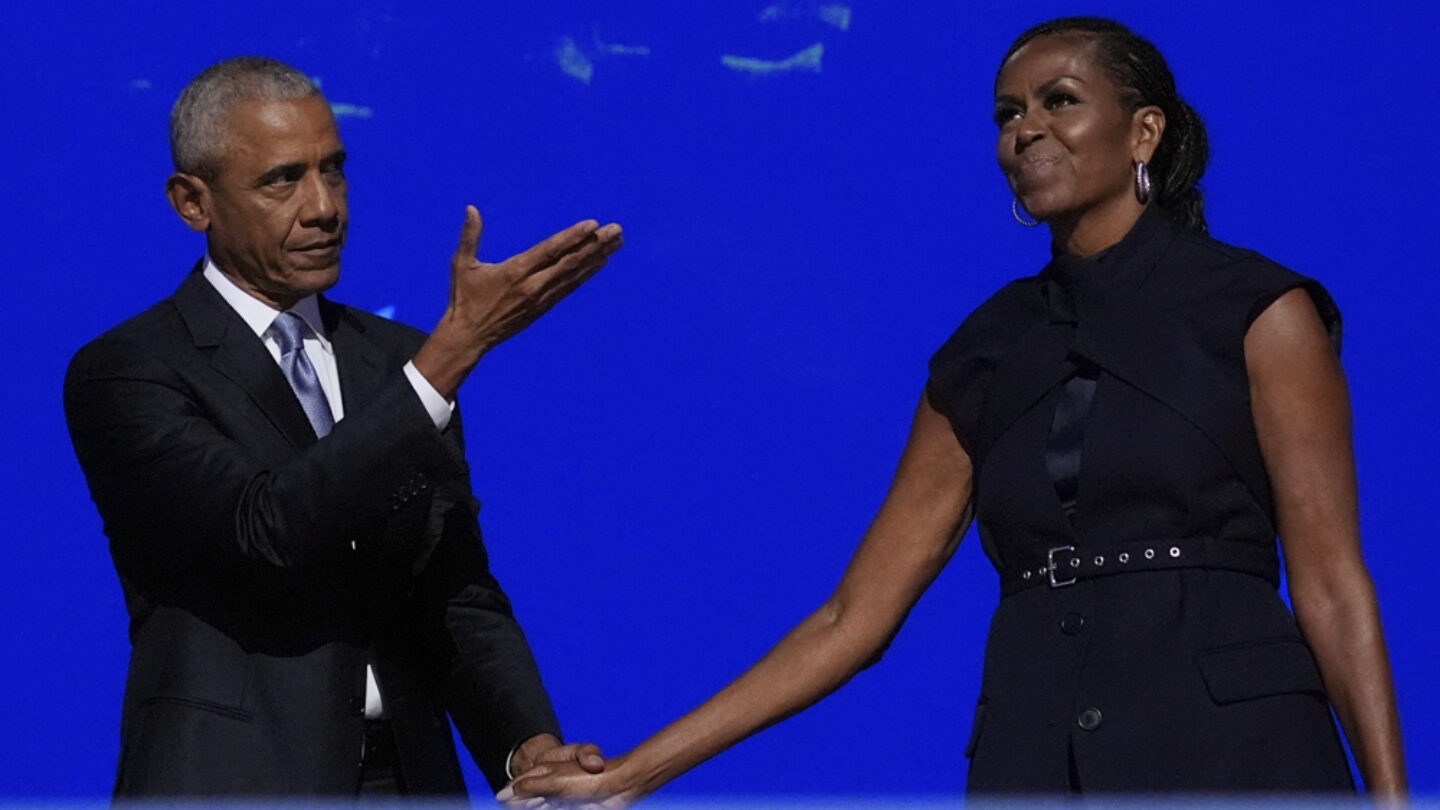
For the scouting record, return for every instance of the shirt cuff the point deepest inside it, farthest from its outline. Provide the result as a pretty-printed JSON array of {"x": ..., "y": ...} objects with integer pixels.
[{"x": 437, "y": 406}]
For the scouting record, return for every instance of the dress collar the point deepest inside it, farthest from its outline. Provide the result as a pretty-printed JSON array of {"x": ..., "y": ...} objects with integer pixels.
[{"x": 1125, "y": 264}]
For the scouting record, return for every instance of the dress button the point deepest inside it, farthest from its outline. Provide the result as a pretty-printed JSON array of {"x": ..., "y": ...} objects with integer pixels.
[
  {"x": 1089, "y": 719},
  {"x": 1072, "y": 623}
]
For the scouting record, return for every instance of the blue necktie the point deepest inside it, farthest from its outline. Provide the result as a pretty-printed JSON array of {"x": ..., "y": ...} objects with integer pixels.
[{"x": 288, "y": 330}]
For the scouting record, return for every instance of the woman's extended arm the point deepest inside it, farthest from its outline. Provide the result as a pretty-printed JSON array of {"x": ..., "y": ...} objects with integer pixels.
[
  {"x": 1302, "y": 418},
  {"x": 913, "y": 536}
]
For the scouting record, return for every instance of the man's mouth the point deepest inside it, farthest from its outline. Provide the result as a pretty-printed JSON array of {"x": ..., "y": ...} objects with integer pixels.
[{"x": 318, "y": 247}]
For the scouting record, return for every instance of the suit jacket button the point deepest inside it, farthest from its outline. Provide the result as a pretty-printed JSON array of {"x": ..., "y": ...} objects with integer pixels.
[
  {"x": 357, "y": 706},
  {"x": 1072, "y": 623},
  {"x": 1089, "y": 719}
]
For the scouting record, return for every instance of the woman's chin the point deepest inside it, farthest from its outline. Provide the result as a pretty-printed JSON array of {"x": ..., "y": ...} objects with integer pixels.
[{"x": 1039, "y": 207}]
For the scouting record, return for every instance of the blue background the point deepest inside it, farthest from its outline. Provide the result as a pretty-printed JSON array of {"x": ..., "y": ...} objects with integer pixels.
[{"x": 677, "y": 462}]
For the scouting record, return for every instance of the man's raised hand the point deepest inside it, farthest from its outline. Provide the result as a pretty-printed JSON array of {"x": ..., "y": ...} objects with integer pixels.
[{"x": 489, "y": 303}]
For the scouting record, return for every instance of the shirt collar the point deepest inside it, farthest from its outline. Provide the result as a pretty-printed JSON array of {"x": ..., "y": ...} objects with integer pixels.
[{"x": 257, "y": 314}]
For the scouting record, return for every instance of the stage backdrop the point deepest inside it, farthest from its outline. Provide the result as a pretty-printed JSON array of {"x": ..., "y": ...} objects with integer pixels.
[{"x": 677, "y": 462}]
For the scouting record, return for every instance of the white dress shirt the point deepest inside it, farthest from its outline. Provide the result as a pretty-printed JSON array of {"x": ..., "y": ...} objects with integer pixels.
[{"x": 259, "y": 315}]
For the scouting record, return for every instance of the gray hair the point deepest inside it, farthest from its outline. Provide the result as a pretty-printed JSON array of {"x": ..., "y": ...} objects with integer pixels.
[{"x": 198, "y": 122}]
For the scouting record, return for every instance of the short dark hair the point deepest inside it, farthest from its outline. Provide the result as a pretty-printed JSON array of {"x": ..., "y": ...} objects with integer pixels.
[
  {"x": 1140, "y": 71},
  {"x": 197, "y": 123}
]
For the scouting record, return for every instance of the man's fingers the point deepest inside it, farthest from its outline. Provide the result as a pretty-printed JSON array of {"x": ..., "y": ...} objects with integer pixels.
[
  {"x": 555, "y": 247},
  {"x": 469, "y": 247},
  {"x": 588, "y": 755},
  {"x": 546, "y": 290},
  {"x": 555, "y": 281},
  {"x": 590, "y": 758}
]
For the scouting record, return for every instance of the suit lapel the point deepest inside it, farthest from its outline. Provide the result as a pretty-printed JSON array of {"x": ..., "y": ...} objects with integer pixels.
[{"x": 239, "y": 355}]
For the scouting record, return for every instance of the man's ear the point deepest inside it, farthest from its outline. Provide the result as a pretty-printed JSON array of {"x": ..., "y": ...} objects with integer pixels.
[
  {"x": 190, "y": 197},
  {"x": 1149, "y": 127}
]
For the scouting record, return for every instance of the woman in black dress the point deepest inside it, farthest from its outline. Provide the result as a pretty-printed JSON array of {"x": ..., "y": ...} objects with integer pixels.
[{"x": 1133, "y": 427}]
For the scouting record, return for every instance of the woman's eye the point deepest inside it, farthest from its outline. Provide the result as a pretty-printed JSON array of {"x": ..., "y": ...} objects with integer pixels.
[
  {"x": 1004, "y": 115},
  {"x": 1060, "y": 100}
]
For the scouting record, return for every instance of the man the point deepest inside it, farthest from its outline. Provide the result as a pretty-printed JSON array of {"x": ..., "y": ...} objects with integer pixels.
[{"x": 283, "y": 484}]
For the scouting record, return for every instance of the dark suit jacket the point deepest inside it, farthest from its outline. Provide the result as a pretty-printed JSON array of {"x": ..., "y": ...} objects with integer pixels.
[{"x": 262, "y": 568}]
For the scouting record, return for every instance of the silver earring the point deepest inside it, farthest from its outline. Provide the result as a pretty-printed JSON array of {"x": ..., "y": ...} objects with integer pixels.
[
  {"x": 1015, "y": 209},
  {"x": 1142, "y": 182}
]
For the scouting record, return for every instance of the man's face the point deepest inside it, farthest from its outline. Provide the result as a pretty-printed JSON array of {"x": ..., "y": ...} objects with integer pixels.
[{"x": 277, "y": 212}]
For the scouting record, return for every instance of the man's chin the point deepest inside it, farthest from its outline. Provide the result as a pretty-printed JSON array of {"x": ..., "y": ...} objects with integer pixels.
[
  {"x": 321, "y": 279},
  {"x": 303, "y": 281}
]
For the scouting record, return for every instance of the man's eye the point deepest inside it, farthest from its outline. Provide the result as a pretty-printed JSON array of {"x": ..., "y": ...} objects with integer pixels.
[{"x": 283, "y": 178}]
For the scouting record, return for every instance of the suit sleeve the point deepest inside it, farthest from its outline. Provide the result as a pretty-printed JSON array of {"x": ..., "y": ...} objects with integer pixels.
[{"x": 491, "y": 684}]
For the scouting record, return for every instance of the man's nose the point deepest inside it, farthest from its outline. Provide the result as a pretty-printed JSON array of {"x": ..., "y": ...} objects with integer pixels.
[{"x": 322, "y": 201}]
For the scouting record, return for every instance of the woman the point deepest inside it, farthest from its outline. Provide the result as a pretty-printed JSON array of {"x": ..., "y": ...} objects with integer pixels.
[{"x": 1133, "y": 426}]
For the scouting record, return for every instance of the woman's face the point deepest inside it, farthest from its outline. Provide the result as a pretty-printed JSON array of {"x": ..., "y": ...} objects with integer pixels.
[{"x": 1067, "y": 143}]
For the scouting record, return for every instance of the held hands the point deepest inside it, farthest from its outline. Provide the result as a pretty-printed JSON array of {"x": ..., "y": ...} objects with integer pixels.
[
  {"x": 490, "y": 303},
  {"x": 547, "y": 749},
  {"x": 570, "y": 783}
]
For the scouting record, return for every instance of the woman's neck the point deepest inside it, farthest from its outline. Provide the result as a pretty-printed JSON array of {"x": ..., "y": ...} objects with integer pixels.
[{"x": 1096, "y": 229}]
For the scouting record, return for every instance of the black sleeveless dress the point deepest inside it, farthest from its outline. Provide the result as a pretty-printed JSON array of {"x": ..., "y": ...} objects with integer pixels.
[{"x": 1140, "y": 643}]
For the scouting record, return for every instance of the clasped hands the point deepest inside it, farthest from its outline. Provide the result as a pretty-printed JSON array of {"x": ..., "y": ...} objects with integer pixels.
[
  {"x": 549, "y": 774},
  {"x": 490, "y": 303}
]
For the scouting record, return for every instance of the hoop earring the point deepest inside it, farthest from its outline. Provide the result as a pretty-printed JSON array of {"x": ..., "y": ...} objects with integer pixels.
[
  {"x": 1142, "y": 182},
  {"x": 1015, "y": 209}
]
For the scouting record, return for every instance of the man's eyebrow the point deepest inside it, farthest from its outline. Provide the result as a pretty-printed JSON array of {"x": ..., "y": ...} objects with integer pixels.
[{"x": 335, "y": 158}]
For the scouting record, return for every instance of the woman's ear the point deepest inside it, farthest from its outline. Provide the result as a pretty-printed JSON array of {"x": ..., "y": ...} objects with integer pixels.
[{"x": 1149, "y": 127}]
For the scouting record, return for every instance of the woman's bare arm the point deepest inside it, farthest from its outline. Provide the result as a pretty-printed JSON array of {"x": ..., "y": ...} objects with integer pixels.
[
  {"x": 915, "y": 533},
  {"x": 1302, "y": 417}
]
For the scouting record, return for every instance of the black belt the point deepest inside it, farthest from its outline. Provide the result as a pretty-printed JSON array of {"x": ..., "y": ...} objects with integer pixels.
[{"x": 1066, "y": 565}]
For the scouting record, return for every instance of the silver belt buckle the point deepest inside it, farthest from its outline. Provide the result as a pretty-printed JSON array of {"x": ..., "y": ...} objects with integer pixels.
[{"x": 1050, "y": 564}]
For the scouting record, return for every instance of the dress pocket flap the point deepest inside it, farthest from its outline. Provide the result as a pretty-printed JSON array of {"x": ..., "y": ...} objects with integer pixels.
[{"x": 1259, "y": 669}]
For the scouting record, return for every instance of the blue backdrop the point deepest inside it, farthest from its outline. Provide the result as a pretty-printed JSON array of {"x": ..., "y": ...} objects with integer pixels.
[{"x": 677, "y": 462}]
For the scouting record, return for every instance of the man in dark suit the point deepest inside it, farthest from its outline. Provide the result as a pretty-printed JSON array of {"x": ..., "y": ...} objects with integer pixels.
[{"x": 284, "y": 486}]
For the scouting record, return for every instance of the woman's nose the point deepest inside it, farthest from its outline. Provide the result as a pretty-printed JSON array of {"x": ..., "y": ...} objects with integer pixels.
[{"x": 1028, "y": 132}]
